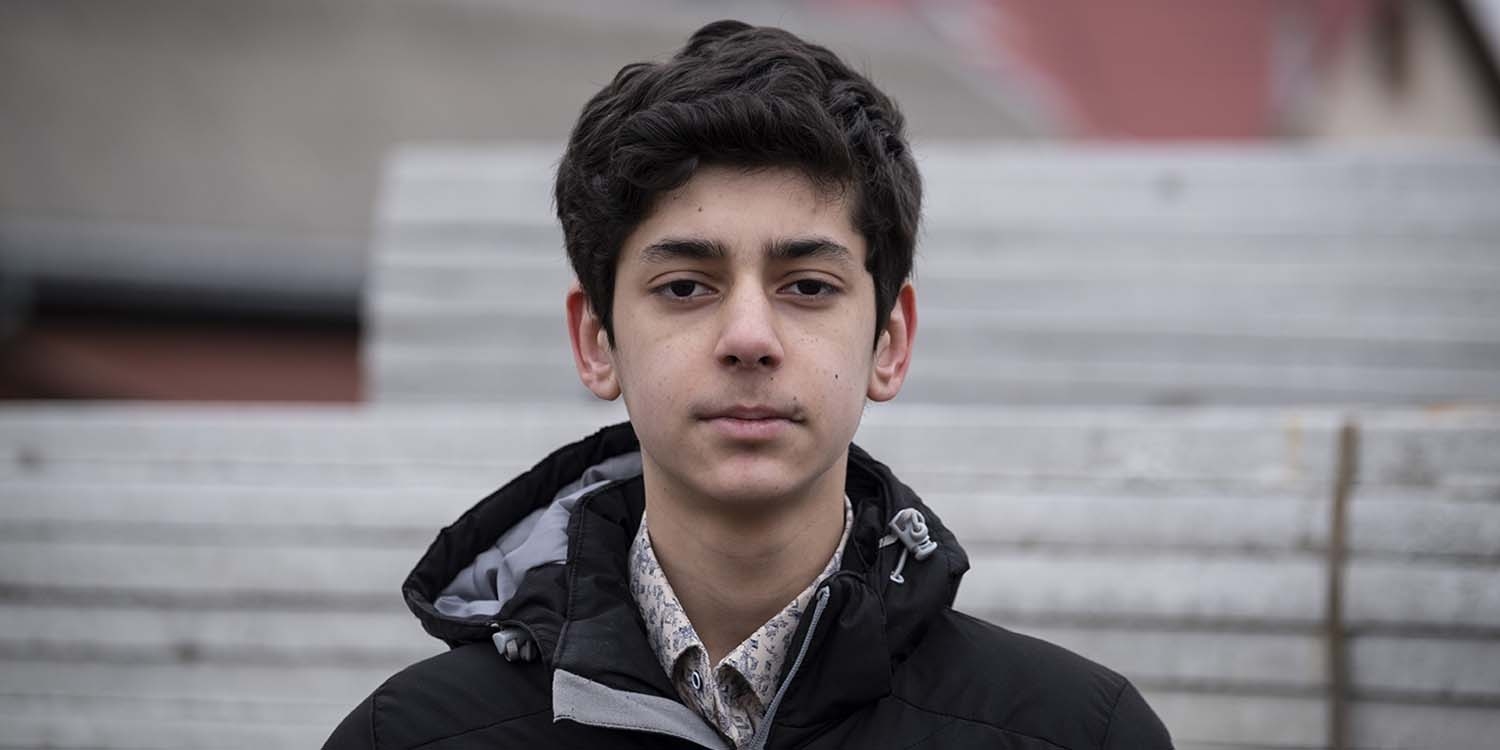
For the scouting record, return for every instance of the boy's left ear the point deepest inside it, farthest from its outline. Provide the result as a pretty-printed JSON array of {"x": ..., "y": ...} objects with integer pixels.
[{"x": 893, "y": 347}]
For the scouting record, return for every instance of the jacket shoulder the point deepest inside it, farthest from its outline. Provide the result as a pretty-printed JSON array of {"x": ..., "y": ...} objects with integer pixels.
[
  {"x": 467, "y": 690},
  {"x": 972, "y": 670}
]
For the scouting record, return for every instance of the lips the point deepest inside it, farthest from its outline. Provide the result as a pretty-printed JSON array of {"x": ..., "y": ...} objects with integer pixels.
[
  {"x": 749, "y": 422},
  {"x": 749, "y": 413}
]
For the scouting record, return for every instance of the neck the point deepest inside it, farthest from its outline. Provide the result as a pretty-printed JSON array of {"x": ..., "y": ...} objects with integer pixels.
[{"x": 733, "y": 570}]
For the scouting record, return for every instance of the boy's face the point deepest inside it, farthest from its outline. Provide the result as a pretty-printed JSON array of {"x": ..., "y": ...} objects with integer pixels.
[{"x": 743, "y": 322}]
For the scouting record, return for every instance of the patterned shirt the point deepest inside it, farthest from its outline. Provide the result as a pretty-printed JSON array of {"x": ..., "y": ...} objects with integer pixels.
[{"x": 733, "y": 695}]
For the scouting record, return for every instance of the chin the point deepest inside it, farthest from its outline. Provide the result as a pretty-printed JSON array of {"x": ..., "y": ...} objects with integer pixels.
[{"x": 761, "y": 481}]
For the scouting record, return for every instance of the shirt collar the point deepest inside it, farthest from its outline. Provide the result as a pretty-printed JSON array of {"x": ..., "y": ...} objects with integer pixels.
[{"x": 759, "y": 657}]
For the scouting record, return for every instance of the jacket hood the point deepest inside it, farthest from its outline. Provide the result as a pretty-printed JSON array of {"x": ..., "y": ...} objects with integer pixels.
[
  {"x": 470, "y": 541},
  {"x": 547, "y": 552}
]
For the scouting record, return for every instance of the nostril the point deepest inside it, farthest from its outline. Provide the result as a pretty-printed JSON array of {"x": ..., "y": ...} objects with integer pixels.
[{"x": 755, "y": 361}]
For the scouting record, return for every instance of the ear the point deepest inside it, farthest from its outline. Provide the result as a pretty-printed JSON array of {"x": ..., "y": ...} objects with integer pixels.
[
  {"x": 893, "y": 347},
  {"x": 591, "y": 351}
]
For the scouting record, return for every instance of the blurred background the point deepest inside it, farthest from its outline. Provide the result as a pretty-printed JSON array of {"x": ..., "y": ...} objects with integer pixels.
[
  {"x": 188, "y": 193},
  {"x": 1208, "y": 377}
]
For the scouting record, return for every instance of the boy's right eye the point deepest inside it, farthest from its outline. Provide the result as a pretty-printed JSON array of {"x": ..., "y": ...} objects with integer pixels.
[{"x": 682, "y": 289}]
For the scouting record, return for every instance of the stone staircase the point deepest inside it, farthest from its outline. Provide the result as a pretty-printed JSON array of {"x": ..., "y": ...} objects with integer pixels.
[
  {"x": 1055, "y": 276},
  {"x": 1225, "y": 420}
]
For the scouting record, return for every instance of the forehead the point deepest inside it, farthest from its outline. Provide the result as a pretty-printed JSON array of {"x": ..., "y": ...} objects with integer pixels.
[{"x": 745, "y": 209}]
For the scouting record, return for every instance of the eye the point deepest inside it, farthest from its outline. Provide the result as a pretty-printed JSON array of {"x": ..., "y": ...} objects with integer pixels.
[
  {"x": 681, "y": 289},
  {"x": 811, "y": 288}
]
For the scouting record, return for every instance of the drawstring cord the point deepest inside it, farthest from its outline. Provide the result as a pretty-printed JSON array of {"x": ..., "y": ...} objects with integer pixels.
[
  {"x": 909, "y": 527},
  {"x": 763, "y": 733}
]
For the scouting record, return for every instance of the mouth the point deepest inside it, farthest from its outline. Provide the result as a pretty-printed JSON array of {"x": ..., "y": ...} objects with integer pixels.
[
  {"x": 749, "y": 413},
  {"x": 750, "y": 422}
]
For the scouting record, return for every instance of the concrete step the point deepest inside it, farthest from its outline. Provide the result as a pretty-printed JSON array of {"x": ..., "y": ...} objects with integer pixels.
[
  {"x": 182, "y": 575},
  {"x": 1254, "y": 276}
]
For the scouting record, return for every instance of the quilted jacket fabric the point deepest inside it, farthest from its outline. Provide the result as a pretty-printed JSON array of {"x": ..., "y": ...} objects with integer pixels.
[{"x": 881, "y": 664}]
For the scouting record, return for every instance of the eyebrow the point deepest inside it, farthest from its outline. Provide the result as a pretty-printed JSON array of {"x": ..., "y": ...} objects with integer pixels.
[
  {"x": 821, "y": 248},
  {"x": 675, "y": 249}
]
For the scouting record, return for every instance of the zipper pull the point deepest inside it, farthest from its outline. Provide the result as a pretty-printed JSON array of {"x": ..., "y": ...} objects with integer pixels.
[{"x": 514, "y": 644}]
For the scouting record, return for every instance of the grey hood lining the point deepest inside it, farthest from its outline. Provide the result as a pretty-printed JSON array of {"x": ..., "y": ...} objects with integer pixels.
[
  {"x": 585, "y": 701},
  {"x": 541, "y": 538}
]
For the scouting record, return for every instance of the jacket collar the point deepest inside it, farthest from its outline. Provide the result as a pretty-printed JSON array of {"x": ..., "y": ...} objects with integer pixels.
[{"x": 583, "y": 615}]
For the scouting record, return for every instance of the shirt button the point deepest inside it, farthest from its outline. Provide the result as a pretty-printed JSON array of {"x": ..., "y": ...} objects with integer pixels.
[{"x": 695, "y": 680}]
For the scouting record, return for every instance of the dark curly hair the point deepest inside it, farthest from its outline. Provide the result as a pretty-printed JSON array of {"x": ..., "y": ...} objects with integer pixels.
[{"x": 743, "y": 96}]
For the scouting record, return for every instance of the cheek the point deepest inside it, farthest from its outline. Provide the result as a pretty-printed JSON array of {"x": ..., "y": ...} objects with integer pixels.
[
  {"x": 843, "y": 352},
  {"x": 846, "y": 376},
  {"x": 652, "y": 378}
]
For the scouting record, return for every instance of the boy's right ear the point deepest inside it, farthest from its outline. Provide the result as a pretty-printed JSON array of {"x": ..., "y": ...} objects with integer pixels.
[{"x": 592, "y": 354}]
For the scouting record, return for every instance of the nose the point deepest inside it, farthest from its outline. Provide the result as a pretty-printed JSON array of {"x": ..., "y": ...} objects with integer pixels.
[{"x": 749, "y": 336}]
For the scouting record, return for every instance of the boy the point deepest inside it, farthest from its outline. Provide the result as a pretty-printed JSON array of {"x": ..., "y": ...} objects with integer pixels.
[{"x": 726, "y": 570}]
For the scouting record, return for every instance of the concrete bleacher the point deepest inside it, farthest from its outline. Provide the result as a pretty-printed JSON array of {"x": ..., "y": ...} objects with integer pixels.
[
  {"x": 1177, "y": 404},
  {"x": 222, "y": 577},
  {"x": 1065, "y": 276}
]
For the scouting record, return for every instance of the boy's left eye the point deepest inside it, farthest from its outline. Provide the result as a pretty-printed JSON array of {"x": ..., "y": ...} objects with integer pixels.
[{"x": 811, "y": 288}]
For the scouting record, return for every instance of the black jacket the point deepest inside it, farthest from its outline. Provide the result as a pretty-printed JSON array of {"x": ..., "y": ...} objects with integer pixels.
[{"x": 886, "y": 664}]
